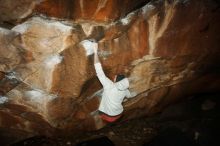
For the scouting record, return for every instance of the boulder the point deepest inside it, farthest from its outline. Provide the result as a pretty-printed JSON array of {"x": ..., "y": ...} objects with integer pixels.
[{"x": 169, "y": 50}]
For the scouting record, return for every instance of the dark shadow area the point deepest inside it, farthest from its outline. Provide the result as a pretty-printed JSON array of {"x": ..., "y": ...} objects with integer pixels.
[
  {"x": 191, "y": 122},
  {"x": 102, "y": 141},
  {"x": 6, "y": 25},
  {"x": 171, "y": 136},
  {"x": 37, "y": 141}
]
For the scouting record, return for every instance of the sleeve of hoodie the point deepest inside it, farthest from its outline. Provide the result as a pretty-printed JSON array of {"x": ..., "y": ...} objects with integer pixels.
[
  {"x": 130, "y": 94},
  {"x": 101, "y": 75}
]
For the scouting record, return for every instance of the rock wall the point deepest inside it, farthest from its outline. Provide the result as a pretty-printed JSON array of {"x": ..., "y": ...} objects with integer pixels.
[
  {"x": 170, "y": 50},
  {"x": 101, "y": 11}
]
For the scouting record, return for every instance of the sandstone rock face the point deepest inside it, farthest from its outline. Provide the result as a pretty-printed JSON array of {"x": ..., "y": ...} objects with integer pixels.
[
  {"x": 45, "y": 40},
  {"x": 16, "y": 10},
  {"x": 101, "y": 11},
  {"x": 83, "y": 10},
  {"x": 170, "y": 50}
]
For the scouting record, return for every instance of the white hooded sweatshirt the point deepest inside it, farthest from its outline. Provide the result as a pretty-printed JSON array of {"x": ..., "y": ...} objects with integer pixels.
[{"x": 113, "y": 93}]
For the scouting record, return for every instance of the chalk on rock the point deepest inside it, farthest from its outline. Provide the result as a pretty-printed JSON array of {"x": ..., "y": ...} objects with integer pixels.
[
  {"x": 53, "y": 60},
  {"x": 3, "y": 99},
  {"x": 89, "y": 46},
  {"x": 11, "y": 75},
  {"x": 39, "y": 96}
]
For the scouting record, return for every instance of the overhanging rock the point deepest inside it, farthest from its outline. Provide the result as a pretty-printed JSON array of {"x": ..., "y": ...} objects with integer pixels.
[{"x": 170, "y": 49}]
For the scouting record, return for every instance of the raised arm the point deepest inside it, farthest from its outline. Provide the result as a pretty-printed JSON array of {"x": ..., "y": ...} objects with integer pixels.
[
  {"x": 105, "y": 81},
  {"x": 96, "y": 57}
]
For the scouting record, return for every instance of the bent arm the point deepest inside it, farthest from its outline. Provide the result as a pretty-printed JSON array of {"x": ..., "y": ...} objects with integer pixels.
[{"x": 130, "y": 94}]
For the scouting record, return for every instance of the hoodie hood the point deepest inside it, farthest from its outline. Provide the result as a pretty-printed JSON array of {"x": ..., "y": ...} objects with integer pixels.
[{"x": 123, "y": 84}]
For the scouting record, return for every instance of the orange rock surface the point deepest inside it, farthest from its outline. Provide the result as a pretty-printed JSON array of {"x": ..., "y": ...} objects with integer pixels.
[{"x": 169, "y": 48}]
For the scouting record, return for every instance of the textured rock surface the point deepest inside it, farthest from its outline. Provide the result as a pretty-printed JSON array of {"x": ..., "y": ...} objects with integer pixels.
[
  {"x": 169, "y": 48},
  {"x": 77, "y": 10},
  {"x": 12, "y": 11}
]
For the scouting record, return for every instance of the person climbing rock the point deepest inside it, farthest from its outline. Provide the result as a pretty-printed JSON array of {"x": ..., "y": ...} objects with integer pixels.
[{"x": 110, "y": 108}]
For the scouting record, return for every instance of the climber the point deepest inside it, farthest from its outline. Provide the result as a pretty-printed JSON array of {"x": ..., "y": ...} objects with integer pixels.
[{"x": 110, "y": 108}]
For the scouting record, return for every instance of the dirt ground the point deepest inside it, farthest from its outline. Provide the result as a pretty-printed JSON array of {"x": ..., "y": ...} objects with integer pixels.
[{"x": 196, "y": 119}]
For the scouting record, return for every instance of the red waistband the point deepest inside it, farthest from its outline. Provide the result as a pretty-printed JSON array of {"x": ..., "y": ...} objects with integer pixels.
[{"x": 108, "y": 118}]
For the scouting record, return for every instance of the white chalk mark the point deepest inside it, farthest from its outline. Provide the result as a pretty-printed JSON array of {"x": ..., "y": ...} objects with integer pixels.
[
  {"x": 87, "y": 28},
  {"x": 154, "y": 32},
  {"x": 53, "y": 60},
  {"x": 126, "y": 20},
  {"x": 39, "y": 96},
  {"x": 101, "y": 5},
  {"x": 147, "y": 8},
  {"x": 89, "y": 46},
  {"x": 3, "y": 99}
]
